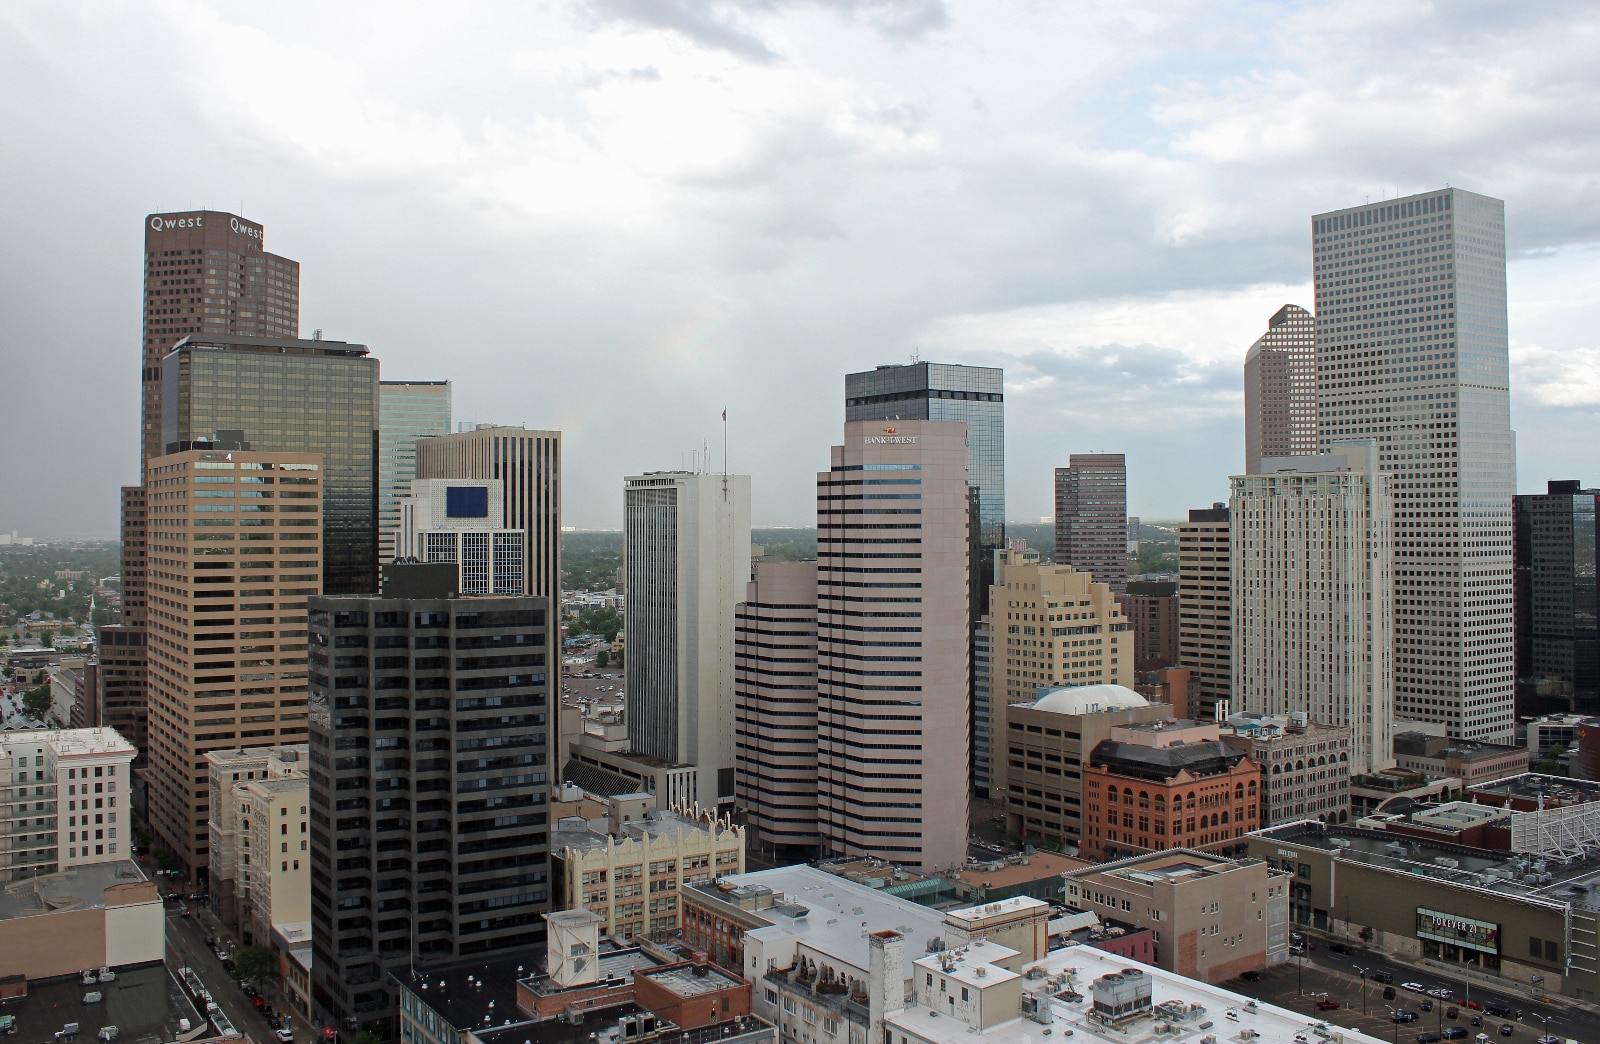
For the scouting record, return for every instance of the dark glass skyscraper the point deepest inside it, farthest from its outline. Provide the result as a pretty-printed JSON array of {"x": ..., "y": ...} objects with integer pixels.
[
  {"x": 285, "y": 395},
  {"x": 1557, "y": 606}
]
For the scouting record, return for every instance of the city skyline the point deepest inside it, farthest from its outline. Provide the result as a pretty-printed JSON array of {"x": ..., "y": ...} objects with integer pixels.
[{"x": 868, "y": 219}]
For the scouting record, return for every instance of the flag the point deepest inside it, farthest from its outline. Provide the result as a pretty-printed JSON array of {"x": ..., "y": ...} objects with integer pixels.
[{"x": 724, "y": 416}]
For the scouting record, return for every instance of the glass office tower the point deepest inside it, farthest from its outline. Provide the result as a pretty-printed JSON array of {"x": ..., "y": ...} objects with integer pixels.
[
  {"x": 1557, "y": 609},
  {"x": 407, "y": 411},
  {"x": 287, "y": 395}
]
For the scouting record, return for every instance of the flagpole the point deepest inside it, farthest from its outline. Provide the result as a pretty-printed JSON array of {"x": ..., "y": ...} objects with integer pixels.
[{"x": 724, "y": 454}]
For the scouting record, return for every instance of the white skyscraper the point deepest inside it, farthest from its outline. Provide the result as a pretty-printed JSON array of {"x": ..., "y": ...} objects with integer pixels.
[
  {"x": 686, "y": 557},
  {"x": 463, "y": 521},
  {"x": 1311, "y": 561},
  {"x": 1412, "y": 351}
]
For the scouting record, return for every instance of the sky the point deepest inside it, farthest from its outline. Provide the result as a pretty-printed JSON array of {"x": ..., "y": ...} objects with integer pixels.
[{"x": 619, "y": 218}]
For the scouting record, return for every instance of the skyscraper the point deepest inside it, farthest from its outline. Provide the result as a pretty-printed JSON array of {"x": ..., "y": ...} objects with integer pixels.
[
  {"x": 686, "y": 555},
  {"x": 407, "y": 411},
  {"x": 1557, "y": 605},
  {"x": 462, "y": 522},
  {"x": 235, "y": 551},
  {"x": 429, "y": 751},
  {"x": 1205, "y": 622},
  {"x": 1412, "y": 350},
  {"x": 775, "y": 706},
  {"x": 1312, "y": 557},
  {"x": 893, "y": 637},
  {"x": 1092, "y": 516},
  {"x": 207, "y": 275},
  {"x": 283, "y": 395},
  {"x": 1280, "y": 389}
]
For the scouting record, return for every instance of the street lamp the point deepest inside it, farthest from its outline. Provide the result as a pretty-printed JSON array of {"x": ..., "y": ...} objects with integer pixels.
[
  {"x": 1393, "y": 1011},
  {"x": 1545, "y": 1021},
  {"x": 1363, "y": 972}
]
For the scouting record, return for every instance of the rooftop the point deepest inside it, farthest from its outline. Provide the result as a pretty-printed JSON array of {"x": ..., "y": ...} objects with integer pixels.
[
  {"x": 80, "y": 888},
  {"x": 1017, "y": 904},
  {"x": 144, "y": 1003},
  {"x": 1089, "y": 699},
  {"x": 1206, "y": 758},
  {"x": 1018, "y": 870},
  {"x": 690, "y": 980},
  {"x": 73, "y": 742},
  {"x": 586, "y": 836},
  {"x": 1532, "y": 786},
  {"x": 973, "y": 963},
  {"x": 1174, "y": 866}
]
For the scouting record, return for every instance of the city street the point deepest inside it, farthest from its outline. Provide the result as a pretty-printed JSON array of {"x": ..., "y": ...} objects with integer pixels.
[{"x": 186, "y": 946}]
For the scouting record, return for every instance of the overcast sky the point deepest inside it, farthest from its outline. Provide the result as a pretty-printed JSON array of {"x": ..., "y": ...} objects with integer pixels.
[{"x": 620, "y": 217}]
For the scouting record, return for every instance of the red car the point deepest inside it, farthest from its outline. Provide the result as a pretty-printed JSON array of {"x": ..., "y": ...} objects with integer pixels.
[
  {"x": 1474, "y": 1005},
  {"x": 259, "y": 1002},
  {"x": 1327, "y": 1005}
]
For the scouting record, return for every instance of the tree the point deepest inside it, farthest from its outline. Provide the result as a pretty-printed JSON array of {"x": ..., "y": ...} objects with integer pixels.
[
  {"x": 254, "y": 963},
  {"x": 37, "y": 701},
  {"x": 166, "y": 859},
  {"x": 368, "y": 1037},
  {"x": 1366, "y": 934},
  {"x": 602, "y": 658}
]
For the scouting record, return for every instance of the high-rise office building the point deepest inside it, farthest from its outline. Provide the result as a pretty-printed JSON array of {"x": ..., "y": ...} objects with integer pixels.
[
  {"x": 1151, "y": 607},
  {"x": 1312, "y": 557},
  {"x": 206, "y": 275},
  {"x": 775, "y": 706},
  {"x": 290, "y": 396},
  {"x": 974, "y": 395},
  {"x": 893, "y": 637},
  {"x": 430, "y": 744},
  {"x": 1205, "y": 623},
  {"x": 407, "y": 411},
  {"x": 462, "y": 521},
  {"x": 1557, "y": 605},
  {"x": 1092, "y": 516},
  {"x": 1412, "y": 350},
  {"x": 123, "y": 696},
  {"x": 686, "y": 554},
  {"x": 1280, "y": 389},
  {"x": 235, "y": 551}
]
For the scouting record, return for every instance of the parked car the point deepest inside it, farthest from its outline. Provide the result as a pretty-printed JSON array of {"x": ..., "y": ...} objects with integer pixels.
[
  {"x": 1470, "y": 1003},
  {"x": 1388, "y": 993},
  {"x": 285, "y": 1036},
  {"x": 1381, "y": 976},
  {"x": 1451, "y": 1012},
  {"x": 1506, "y": 1029},
  {"x": 1498, "y": 1009},
  {"x": 1456, "y": 1033},
  {"x": 1427, "y": 1005},
  {"x": 1339, "y": 948},
  {"x": 1441, "y": 993},
  {"x": 1429, "y": 1038},
  {"x": 1327, "y": 1004},
  {"x": 1414, "y": 987},
  {"x": 1251, "y": 976},
  {"x": 1404, "y": 1016},
  {"x": 258, "y": 1002},
  {"x": 1477, "y": 1020}
]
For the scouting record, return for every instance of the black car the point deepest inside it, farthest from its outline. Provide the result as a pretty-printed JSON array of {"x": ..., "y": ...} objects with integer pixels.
[
  {"x": 1497, "y": 1009},
  {"x": 1403, "y": 1016},
  {"x": 1456, "y": 1033},
  {"x": 1388, "y": 993},
  {"x": 1338, "y": 948},
  {"x": 1429, "y": 1038},
  {"x": 1251, "y": 976},
  {"x": 1381, "y": 976}
]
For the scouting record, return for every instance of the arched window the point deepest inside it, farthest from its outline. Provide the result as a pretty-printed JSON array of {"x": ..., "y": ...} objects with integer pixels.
[
  {"x": 1224, "y": 819},
  {"x": 1299, "y": 766},
  {"x": 1111, "y": 795},
  {"x": 1127, "y": 795},
  {"x": 1252, "y": 787}
]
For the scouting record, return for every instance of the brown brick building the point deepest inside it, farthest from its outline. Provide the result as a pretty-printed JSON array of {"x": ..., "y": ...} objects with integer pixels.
[{"x": 1151, "y": 607}]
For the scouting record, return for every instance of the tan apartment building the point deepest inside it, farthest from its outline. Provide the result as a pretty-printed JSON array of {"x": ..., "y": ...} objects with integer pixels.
[
  {"x": 235, "y": 549},
  {"x": 1041, "y": 749},
  {"x": 1212, "y": 918},
  {"x": 64, "y": 800},
  {"x": 1471, "y": 762},
  {"x": 1205, "y": 614},
  {"x": 260, "y": 858},
  {"x": 629, "y": 868}
]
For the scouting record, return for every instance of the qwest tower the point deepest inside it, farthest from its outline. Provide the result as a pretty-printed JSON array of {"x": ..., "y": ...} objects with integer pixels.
[{"x": 1412, "y": 351}]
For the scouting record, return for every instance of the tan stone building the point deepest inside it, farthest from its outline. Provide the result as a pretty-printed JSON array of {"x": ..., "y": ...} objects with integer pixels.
[
  {"x": 630, "y": 867},
  {"x": 1305, "y": 765},
  {"x": 235, "y": 549},
  {"x": 260, "y": 858},
  {"x": 64, "y": 800},
  {"x": 1212, "y": 918},
  {"x": 1472, "y": 763}
]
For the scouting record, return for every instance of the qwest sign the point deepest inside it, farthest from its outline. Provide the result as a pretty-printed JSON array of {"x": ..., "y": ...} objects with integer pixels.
[{"x": 163, "y": 223}]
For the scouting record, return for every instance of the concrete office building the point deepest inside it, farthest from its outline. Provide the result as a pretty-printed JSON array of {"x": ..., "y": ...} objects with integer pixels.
[
  {"x": 206, "y": 275},
  {"x": 1041, "y": 749},
  {"x": 65, "y": 801},
  {"x": 1557, "y": 602},
  {"x": 893, "y": 637},
  {"x": 527, "y": 462},
  {"x": 462, "y": 521},
  {"x": 1305, "y": 765},
  {"x": 1280, "y": 389},
  {"x": 120, "y": 681},
  {"x": 1412, "y": 351},
  {"x": 686, "y": 553},
  {"x": 1205, "y": 614},
  {"x": 1312, "y": 552},
  {"x": 234, "y": 554},
  {"x": 1092, "y": 516},
  {"x": 288, "y": 396},
  {"x": 407, "y": 411},
  {"x": 1151, "y": 607},
  {"x": 260, "y": 838},
  {"x": 430, "y": 748},
  {"x": 775, "y": 706}
]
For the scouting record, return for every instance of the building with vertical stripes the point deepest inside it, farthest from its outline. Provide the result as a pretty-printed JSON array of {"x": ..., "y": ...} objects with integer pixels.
[
  {"x": 1280, "y": 389},
  {"x": 1092, "y": 516}
]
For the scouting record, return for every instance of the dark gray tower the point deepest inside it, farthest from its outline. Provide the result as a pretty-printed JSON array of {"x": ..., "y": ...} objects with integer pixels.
[{"x": 1557, "y": 608}]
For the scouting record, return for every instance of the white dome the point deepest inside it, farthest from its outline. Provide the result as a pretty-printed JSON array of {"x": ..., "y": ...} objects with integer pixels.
[{"x": 1088, "y": 699}]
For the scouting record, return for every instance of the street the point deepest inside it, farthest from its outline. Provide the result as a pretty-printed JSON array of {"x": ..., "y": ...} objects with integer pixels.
[{"x": 186, "y": 946}]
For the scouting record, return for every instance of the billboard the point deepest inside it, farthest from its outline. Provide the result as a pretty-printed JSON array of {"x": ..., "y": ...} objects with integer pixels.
[
  {"x": 1458, "y": 931},
  {"x": 466, "y": 502}
]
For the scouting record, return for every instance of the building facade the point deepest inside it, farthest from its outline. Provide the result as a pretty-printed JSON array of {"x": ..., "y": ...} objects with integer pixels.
[
  {"x": 1557, "y": 601},
  {"x": 64, "y": 800},
  {"x": 429, "y": 753},
  {"x": 1193, "y": 791},
  {"x": 686, "y": 553},
  {"x": 1280, "y": 389},
  {"x": 1092, "y": 516},
  {"x": 893, "y": 639},
  {"x": 775, "y": 706},
  {"x": 1312, "y": 568},
  {"x": 1412, "y": 351},
  {"x": 407, "y": 411},
  {"x": 260, "y": 838},
  {"x": 235, "y": 552},
  {"x": 1473, "y": 764},
  {"x": 1305, "y": 765},
  {"x": 287, "y": 396},
  {"x": 1205, "y": 608},
  {"x": 462, "y": 522},
  {"x": 1151, "y": 607}
]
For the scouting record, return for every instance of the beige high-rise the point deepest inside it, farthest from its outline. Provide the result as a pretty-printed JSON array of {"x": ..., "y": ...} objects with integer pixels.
[
  {"x": 1312, "y": 554},
  {"x": 235, "y": 549}
]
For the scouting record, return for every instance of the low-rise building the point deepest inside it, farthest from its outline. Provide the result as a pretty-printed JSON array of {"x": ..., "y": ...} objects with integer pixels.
[
  {"x": 92, "y": 915},
  {"x": 1211, "y": 918},
  {"x": 64, "y": 800},
  {"x": 1168, "y": 784},
  {"x": 292, "y": 944},
  {"x": 1554, "y": 730},
  {"x": 1467, "y": 760},
  {"x": 260, "y": 859},
  {"x": 1399, "y": 788},
  {"x": 631, "y": 867},
  {"x": 1038, "y": 875},
  {"x": 1305, "y": 765},
  {"x": 925, "y": 889},
  {"x": 1533, "y": 791},
  {"x": 73, "y": 697}
]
